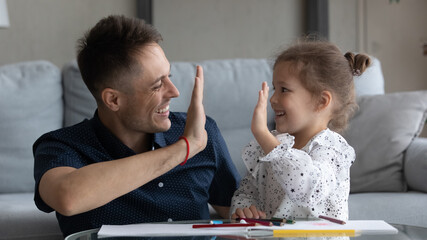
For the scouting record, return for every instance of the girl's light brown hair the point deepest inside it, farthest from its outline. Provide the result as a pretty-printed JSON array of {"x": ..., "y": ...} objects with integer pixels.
[{"x": 321, "y": 66}]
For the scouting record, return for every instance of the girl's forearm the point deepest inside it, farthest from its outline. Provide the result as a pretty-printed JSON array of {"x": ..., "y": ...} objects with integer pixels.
[{"x": 266, "y": 140}]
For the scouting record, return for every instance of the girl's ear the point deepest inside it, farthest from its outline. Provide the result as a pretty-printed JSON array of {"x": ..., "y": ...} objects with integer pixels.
[
  {"x": 110, "y": 97},
  {"x": 325, "y": 100}
]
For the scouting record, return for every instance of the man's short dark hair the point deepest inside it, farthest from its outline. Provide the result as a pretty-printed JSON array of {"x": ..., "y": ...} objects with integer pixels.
[{"x": 106, "y": 55}]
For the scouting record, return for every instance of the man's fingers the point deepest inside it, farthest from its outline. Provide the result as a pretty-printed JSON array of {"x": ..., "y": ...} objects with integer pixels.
[
  {"x": 199, "y": 72},
  {"x": 198, "y": 85}
]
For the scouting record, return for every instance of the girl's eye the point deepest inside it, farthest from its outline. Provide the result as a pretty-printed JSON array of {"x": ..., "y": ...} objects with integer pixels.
[{"x": 285, "y": 89}]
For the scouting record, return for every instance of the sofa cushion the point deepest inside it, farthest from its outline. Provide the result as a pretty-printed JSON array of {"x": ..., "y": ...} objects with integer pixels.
[
  {"x": 30, "y": 105},
  {"x": 231, "y": 88},
  {"x": 380, "y": 132},
  {"x": 20, "y": 219},
  {"x": 79, "y": 103},
  {"x": 392, "y": 207},
  {"x": 415, "y": 167}
]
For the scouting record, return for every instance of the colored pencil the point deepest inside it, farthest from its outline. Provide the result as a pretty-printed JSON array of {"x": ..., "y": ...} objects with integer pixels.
[
  {"x": 282, "y": 220},
  {"x": 259, "y": 221},
  {"x": 314, "y": 233},
  {"x": 332, "y": 219},
  {"x": 224, "y": 225}
]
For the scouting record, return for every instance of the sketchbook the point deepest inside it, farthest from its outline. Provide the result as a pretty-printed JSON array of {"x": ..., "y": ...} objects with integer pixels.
[{"x": 361, "y": 227}]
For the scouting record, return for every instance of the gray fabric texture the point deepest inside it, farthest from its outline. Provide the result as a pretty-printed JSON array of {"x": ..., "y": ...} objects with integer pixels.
[
  {"x": 30, "y": 105},
  {"x": 392, "y": 207},
  {"x": 415, "y": 168},
  {"x": 20, "y": 219},
  {"x": 380, "y": 132},
  {"x": 79, "y": 103}
]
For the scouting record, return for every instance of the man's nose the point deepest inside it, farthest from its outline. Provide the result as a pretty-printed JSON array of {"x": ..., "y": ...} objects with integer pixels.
[{"x": 171, "y": 90}]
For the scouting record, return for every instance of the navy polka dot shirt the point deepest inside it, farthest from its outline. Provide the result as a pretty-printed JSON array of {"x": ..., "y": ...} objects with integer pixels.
[{"x": 180, "y": 194}]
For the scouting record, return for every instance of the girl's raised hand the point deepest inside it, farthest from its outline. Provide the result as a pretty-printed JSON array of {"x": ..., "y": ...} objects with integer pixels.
[
  {"x": 259, "y": 122},
  {"x": 259, "y": 118}
]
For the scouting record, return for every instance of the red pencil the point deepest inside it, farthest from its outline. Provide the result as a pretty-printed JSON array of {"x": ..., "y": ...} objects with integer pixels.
[
  {"x": 332, "y": 219},
  {"x": 224, "y": 225}
]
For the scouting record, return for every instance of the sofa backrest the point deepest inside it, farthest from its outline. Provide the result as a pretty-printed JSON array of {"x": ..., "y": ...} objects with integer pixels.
[
  {"x": 30, "y": 105},
  {"x": 35, "y": 99}
]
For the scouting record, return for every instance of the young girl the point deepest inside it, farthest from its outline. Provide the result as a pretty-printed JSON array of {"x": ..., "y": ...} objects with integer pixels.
[{"x": 302, "y": 169}]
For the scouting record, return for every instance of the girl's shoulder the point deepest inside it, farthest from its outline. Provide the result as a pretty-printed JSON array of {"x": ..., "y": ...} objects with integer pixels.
[{"x": 329, "y": 139}]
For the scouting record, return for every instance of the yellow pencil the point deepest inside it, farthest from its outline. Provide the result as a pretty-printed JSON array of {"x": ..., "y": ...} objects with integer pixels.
[{"x": 314, "y": 233}]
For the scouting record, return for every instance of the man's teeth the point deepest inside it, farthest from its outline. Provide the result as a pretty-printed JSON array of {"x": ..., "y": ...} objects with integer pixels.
[
  {"x": 163, "y": 109},
  {"x": 280, "y": 113}
]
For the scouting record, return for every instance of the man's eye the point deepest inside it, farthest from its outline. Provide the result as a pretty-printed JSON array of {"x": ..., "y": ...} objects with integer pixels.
[{"x": 158, "y": 86}]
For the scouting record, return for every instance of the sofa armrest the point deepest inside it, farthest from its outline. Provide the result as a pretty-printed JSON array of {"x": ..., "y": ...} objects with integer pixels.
[{"x": 415, "y": 165}]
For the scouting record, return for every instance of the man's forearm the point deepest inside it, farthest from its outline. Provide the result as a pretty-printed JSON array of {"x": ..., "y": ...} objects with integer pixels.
[{"x": 71, "y": 191}]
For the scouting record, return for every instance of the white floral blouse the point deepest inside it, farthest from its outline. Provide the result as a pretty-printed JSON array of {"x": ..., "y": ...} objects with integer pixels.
[{"x": 293, "y": 183}]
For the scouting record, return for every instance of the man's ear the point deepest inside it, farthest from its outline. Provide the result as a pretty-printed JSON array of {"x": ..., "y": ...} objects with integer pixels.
[
  {"x": 110, "y": 97},
  {"x": 325, "y": 100}
]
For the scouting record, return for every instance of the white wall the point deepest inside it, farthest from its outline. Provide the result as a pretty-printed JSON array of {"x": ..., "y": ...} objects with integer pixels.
[
  {"x": 195, "y": 30},
  {"x": 49, "y": 29}
]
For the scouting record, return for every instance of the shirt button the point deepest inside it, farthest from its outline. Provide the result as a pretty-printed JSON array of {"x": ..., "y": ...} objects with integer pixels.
[
  {"x": 160, "y": 184},
  {"x": 170, "y": 220}
]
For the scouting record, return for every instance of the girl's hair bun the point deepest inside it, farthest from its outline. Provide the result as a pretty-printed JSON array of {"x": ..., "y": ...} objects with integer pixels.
[{"x": 358, "y": 62}]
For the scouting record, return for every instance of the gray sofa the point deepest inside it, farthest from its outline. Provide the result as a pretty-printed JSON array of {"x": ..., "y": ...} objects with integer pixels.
[{"x": 388, "y": 177}]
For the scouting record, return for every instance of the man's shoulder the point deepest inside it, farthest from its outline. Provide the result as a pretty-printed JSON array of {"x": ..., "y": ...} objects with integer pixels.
[{"x": 67, "y": 134}]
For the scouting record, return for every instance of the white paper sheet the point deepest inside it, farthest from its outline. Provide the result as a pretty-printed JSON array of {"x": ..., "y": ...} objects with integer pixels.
[
  {"x": 365, "y": 227},
  {"x": 153, "y": 230}
]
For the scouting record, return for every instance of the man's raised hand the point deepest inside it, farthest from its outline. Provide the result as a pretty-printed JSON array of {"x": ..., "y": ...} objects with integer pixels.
[{"x": 196, "y": 119}]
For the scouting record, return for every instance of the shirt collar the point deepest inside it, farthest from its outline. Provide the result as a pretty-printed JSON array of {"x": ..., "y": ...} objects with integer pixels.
[{"x": 114, "y": 146}]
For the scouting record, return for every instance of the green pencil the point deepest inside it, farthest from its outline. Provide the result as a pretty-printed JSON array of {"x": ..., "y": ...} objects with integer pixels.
[{"x": 282, "y": 220}]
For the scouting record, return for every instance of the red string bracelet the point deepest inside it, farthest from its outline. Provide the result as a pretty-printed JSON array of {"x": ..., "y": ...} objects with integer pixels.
[{"x": 188, "y": 150}]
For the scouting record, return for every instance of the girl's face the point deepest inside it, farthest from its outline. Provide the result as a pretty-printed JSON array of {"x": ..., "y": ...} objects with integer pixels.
[{"x": 292, "y": 103}]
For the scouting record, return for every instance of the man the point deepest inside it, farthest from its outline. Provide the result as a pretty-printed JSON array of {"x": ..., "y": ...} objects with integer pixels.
[{"x": 128, "y": 163}]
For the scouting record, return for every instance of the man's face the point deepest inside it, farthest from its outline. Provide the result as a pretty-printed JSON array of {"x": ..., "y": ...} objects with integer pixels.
[{"x": 146, "y": 108}]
